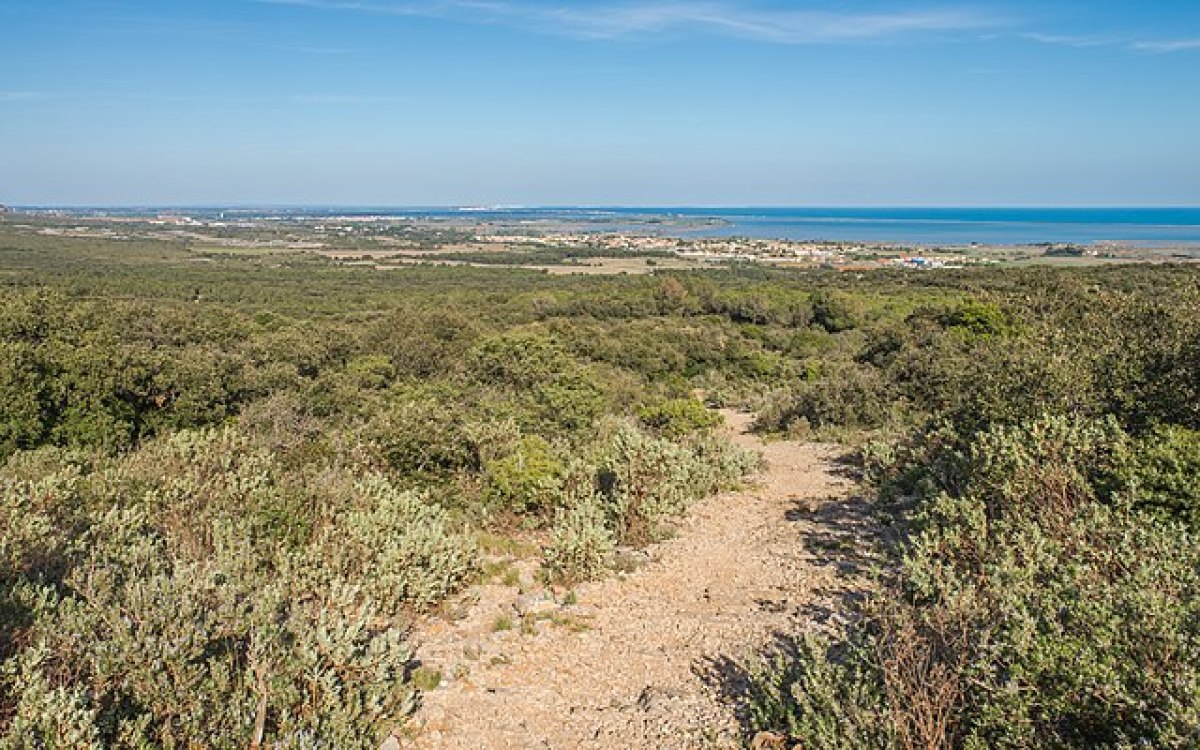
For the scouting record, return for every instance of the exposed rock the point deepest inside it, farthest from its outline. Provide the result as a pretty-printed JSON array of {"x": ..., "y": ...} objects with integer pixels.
[
  {"x": 769, "y": 741},
  {"x": 535, "y": 603},
  {"x": 629, "y": 560},
  {"x": 391, "y": 743}
]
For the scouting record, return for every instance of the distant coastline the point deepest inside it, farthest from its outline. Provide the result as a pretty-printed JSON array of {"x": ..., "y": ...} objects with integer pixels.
[{"x": 920, "y": 226}]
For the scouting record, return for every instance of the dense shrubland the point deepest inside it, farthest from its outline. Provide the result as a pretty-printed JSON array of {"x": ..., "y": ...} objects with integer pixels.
[
  {"x": 221, "y": 512},
  {"x": 228, "y": 486},
  {"x": 1039, "y": 457}
]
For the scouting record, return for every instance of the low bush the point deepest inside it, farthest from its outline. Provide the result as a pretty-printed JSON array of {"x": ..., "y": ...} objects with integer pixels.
[
  {"x": 831, "y": 698},
  {"x": 581, "y": 544},
  {"x": 835, "y": 311},
  {"x": 166, "y": 598},
  {"x": 1036, "y": 606},
  {"x": 644, "y": 481},
  {"x": 527, "y": 480},
  {"x": 1162, "y": 471},
  {"x": 398, "y": 547},
  {"x": 676, "y": 418},
  {"x": 423, "y": 432},
  {"x": 844, "y": 396}
]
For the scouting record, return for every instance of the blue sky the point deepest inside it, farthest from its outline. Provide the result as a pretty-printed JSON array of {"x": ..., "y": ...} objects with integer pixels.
[{"x": 648, "y": 102}]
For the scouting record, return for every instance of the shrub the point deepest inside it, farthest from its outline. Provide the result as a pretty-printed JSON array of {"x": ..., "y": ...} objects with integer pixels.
[
  {"x": 46, "y": 715},
  {"x": 581, "y": 544},
  {"x": 519, "y": 360},
  {"x": 845, "y": 396},
  {"x": 162, "y": 598},
  {"x": 978, "y": 319},
  {"x": 371, "y": 372},
  {"x": 676, "y": 418},
  {"x": 645, "y": 480},
  {"x": 423, "y": 432},
  {"x": 1035, "y": 606},
  {"x": 835, "y": 311},
  {"x": 827, "y": 700},
  {"x": 1049, "y": 467},
  {"x": 398, "y": 547},
  {"x": 150, "y": 651},
  {"x": 1162, "y": 471},
  {"x": 527, "y": 480}
]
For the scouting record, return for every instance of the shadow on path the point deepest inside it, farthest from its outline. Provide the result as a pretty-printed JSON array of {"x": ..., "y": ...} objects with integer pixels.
[{"x": 840, "y": 533}]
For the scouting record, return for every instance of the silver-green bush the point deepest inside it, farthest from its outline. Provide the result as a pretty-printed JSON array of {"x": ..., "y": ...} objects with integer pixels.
[
  {"x": 1036, "y": 606},
  {"x": 162, "y": 600},
  {"x": 581, "y": 543}
]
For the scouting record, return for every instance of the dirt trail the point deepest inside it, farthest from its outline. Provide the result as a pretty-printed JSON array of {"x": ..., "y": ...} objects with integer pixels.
[{"x": 643, "y": 660}]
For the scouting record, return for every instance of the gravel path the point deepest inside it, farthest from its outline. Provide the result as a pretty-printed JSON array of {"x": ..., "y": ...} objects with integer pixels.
[{"x": 648, "y": 659}]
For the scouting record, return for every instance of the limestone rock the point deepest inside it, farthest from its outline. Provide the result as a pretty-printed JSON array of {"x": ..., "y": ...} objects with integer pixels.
[{"x": 769, "y": 741}]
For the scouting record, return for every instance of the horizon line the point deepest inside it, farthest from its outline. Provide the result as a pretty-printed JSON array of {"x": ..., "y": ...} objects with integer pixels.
[{"x": 483, "y": 207}]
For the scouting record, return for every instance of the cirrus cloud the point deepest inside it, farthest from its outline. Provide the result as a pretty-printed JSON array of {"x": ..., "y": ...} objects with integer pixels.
[{"x": 646, "y": 18}]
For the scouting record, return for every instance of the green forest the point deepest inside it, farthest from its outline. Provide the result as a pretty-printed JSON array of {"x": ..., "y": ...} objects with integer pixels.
[{"x": 229, "y": 484}]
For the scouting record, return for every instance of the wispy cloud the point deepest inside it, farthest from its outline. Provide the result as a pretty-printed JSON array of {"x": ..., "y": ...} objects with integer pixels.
[
  {"x": 304, "y": 49},
  {"x": 657, "y": 17},
  {"x": 1157, "y": 46},
  {"x": 317, "y": 98},
  {"x": 1167, "y": 45},
  {"x": 1070, "y": 40},
  {"x": 342, "y": 99},
  {"x": 22, "y": 96},
  {"x": 106, "y": 99},
  {"x": 789, "y": 27}
]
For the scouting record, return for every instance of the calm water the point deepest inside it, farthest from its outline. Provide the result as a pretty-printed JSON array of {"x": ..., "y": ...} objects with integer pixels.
[{"x": 959, "y": 226}]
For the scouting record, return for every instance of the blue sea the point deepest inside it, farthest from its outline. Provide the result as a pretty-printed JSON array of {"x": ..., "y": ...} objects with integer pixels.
[{"x": 999, "y": 226}]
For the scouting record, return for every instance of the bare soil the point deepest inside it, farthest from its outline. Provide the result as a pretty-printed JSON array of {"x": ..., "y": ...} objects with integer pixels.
[{"x": 654, "y": 657}]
